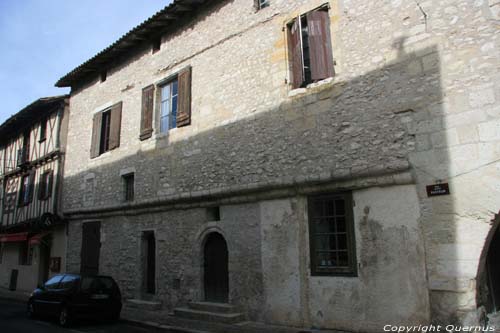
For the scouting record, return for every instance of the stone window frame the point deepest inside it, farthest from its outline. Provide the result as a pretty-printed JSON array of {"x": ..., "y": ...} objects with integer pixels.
[{"x": 351, "y": 268}]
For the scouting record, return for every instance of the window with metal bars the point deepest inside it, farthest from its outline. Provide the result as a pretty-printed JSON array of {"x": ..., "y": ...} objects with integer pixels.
[{"x": 331, "y": 233}]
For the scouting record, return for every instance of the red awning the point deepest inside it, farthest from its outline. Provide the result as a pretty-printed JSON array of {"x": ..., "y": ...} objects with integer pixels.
[
  {"x": 19, "y": 237},
  {"x": 37, "y": 239}
]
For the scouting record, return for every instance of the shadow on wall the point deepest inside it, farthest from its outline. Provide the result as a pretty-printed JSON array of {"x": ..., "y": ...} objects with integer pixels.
[{"x": 377, "y": 124}]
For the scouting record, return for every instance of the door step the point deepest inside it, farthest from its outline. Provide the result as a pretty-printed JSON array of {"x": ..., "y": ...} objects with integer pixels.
[
  {"x": 212, "y": 312},
  {"x": 212, "y": 307}
]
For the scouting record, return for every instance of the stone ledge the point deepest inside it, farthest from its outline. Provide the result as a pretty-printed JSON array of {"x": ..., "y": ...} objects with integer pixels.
[{"x": 363, "y": 178}]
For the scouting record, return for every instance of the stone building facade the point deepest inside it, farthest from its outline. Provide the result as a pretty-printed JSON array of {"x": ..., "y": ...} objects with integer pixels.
[
  {"x": 261, "y": 158},
  {"x": 32, "y": 230}
]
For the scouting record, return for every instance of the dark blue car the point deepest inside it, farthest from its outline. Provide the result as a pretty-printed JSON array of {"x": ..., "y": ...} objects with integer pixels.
[{"x": 72, "y": 296}]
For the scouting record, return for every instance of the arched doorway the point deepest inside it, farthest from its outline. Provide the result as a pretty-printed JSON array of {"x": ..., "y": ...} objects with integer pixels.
[
  {"x": 216, "y": 280},
  {"x": 488, "y": 281}
]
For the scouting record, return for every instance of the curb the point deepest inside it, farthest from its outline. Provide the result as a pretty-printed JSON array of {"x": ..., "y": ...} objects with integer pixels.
[{"x": 173, "y": 329}]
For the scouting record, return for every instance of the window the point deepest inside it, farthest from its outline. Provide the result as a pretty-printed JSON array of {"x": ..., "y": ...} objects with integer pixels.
[
  {"x": 156, "y": 45},
  {"x": 128, "y": 183},
  {"x": 53, "y": 283},
  {"x": 68, "y": 282},
  {"x": 43, "y": 130},
  {"x": 331, "y": 233},
  {"x": 103, "y": 76},
  {"x": 45, "y": 185},
  {"x": 259, "y": 4},
  {"x": 26, "y": 192},
  {"x": 213, "y": 214},
  {"x": 106, "y": 130},
  {"x": 174, "y": 104},
  {"x": 168, "y": 109},
  {"x": 23, "y": 153},
  {"x": 310, "y": 48}
]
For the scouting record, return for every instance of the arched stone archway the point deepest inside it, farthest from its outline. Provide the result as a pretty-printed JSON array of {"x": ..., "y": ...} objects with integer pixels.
[
  {"x": 488, "y": 276},
  {"x": 215, "y": 268}
]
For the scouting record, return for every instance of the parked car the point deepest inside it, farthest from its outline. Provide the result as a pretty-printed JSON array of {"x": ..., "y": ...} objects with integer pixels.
[{"x": 72, "y": 296}]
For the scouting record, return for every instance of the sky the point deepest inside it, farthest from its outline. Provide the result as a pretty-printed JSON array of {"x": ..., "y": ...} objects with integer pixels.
[{"x": 42, "y": 40}]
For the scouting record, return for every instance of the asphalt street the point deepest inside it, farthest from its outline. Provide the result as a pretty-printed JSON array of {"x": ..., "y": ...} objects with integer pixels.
[{"x": 13, "y": 320}]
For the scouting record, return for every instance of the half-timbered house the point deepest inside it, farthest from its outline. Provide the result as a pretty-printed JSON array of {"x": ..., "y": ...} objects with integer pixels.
[{"x": 32, "y": 231}]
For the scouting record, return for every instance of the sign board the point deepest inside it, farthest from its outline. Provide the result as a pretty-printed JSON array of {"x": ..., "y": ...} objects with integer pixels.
[{"x": 438, "y": 189}]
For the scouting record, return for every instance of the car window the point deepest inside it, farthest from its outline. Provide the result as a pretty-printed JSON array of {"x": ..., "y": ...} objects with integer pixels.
[
  {"x": 97, "y": 285},
  {"x": 68, "y": 282},
  {"x": 53, "y": 283}
]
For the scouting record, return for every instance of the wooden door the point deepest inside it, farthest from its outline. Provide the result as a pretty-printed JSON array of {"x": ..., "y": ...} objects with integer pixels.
[
  {"x": 216, "y": 278},
  {"x": 91, "y": 246}
]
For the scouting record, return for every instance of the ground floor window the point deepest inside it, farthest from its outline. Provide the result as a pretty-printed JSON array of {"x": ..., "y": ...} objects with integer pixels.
[
  {"x": 149, "y": 262},
  {"x": 331, "y": 233}
]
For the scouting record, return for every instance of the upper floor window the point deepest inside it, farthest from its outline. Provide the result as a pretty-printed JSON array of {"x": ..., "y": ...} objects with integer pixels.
[
  {"x": 23, "y": 153},
  {"x": 45, "y": 185},
  {"x": 106, "y": 130},
  {"x": 259, "y": 4},
  {"x": 310, "y": 48},
  {"x": 156, "y": 45},
  {"x": 26, "y": 191},
  {"x": 173, "y": 97},
  {"x": 128, "y": 186},
  {"x": 168, "y": 109},
  {"x": 43, "y": 130},
  {"x": 103, "y": 76},
  {"x": 331, "y": 235}
]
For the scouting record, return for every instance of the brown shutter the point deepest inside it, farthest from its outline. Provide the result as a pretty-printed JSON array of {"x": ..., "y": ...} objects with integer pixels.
[
  {"x": 96, "y": 135},
  {"x": 115, "y": 126},
  {"x": 184, "y": 106},
  {"x": 147, "y": 112},
  {"x": 320, "y": 45},
  {"x": 295, "y": 52}
]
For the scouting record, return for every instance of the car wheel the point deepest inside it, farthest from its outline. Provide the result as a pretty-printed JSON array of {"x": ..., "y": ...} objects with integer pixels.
[
  {"x": 64, "y": 318},
  {"x": 31, "y": 310}
]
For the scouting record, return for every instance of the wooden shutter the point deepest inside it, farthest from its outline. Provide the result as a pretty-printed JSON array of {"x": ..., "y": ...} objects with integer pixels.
[
  {"x": 147, "y": 112},
  {"x": 96, "y": 135},
  {"x": 115, "y": 126},
  {"x": 184, "y": 106},
  {"x": 295, "y": 52},
  {"x": 320, "y": 45}
]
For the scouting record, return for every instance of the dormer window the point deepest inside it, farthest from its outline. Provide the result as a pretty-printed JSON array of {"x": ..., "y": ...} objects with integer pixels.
[{"x": 104, "y": 76}]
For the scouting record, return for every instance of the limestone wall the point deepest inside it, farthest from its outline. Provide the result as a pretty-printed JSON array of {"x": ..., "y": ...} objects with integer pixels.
[{"x": 417, "y": 87}]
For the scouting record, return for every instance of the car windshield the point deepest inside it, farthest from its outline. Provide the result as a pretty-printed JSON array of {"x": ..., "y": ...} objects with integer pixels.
[{"x": 104, "y": 285}]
